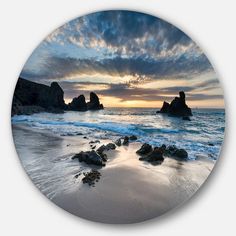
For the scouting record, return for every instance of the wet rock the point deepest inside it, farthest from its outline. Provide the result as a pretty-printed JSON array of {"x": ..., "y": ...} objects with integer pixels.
[
  {"x": 77, "y": 175},
  {"x": 155, "y": 157},
  {"x": 91, "y": 177},
  {"x": 110, "y": 146},
  {"x": 145, "y": 149},
  {"x": 133, "y": 138},
  {"x": 126, "y": 140},
  {"x": 210, "y": 144},
  {"x": 176, "y": 152},
  {"x": 95, "y": 141},
  {"x": 181, "y": 153},
  {"x": 89, "y": 157},
  {"x": 118, "y": 142}
]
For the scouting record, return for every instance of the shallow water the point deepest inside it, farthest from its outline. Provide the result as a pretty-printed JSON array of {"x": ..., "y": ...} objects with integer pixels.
[{"x": 206, "y": 127}]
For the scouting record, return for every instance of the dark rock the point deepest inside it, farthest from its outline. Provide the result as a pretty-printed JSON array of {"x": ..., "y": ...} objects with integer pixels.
[
  {"x": 155, "y": 157},
  {"x": 133, "y": 138},
  {"x": 177, "y": 107},
  {"x": 110, "y": 146},
  {"x": 181, "y": 153},
  {"x": 89, "y": 157},
  {"x": 165, "y": 107},
  {"x": 28, "y": 93},
  {"x": 78, "y": 104},
  {"x": 145, "y": 149},
  {"x": 95, "y": 141},
  {"x": 79, "y": 134},
  {"x": 77, "y": 175},
  {"x": 126, "y": 140},
  {"x": 175, "y": 152},
  {"x": 91, "y": 177},
  {"x": 118, "y": 142},
  {"x": 186, "y": 118},
  {"x": 210, "y": 144},
  {"x": 94, "y": 103}
]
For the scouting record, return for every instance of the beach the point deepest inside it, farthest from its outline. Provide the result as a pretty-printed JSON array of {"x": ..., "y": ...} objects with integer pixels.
[{"x": 128, "y": 191}]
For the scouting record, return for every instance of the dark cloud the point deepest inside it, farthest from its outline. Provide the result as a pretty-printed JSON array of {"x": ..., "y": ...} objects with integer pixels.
[{"x": 60, "y": 67}]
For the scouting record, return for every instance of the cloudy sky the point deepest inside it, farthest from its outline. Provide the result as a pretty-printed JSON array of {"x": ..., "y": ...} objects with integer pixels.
[{"x": 129, "y": 59}]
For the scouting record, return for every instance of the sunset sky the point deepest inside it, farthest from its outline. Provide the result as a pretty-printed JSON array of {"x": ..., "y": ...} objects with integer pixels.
[{"x": 129, "y": 59}]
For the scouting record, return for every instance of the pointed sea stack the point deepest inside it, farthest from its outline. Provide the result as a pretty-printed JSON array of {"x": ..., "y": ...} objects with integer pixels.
[
  {"x": 94, "y": 103},
  {"x": 177, "y": 107}
]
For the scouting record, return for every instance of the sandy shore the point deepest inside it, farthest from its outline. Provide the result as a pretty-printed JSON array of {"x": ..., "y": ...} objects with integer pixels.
[{"x": 128, "y": 191}]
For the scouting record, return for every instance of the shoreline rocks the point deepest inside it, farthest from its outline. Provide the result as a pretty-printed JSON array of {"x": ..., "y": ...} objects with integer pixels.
[
  {"x": 91, "y": 177},
  {"x": 177, "y": 107},
  {"x": 156, "y": 155}
]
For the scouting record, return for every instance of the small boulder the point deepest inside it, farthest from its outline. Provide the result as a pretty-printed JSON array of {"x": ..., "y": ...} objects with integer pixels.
[
  {"x": 118, "y": 142},
  {"x": 155, "y": 157},
  {"x": 181, "y": 153},
  {"x": 133, "y": 138},
  {"x": 126, "y": 140},
  {"x": 110, "y": 146},
  {"x": 89, "y": 157},
  {"x": 145, "y": 149}
]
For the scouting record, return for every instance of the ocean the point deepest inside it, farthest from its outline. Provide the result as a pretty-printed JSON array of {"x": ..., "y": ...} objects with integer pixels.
[{"x": 202, "y": 136}]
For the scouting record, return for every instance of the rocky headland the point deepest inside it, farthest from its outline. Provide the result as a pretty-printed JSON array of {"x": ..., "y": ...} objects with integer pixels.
[{"x": 30, "y": 97}]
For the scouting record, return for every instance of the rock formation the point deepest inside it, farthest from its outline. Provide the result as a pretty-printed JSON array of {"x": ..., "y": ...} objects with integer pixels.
[
  {"x": 78, "y": 104},
  {"x": 94, "y": 103},
  {"x": 177, "y": 107},
  {"x": 30, "y": 97}
]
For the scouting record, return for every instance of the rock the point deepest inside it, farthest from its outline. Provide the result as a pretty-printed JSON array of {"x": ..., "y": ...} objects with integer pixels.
[
  {"x": 91, "y": 177},
  {"x": 95, "y": 141},
  {"x": 145, "y": 149},
  {"x": 181, "y": 153},
  {"x": 31, "y": 94},
  {"x": 175, "y": 152},
  {"x": 78, "y": 104},
  {"x": 165, "y": 107},
  {"x": 110, "y": 146},
  {"x": 155, "y": 157},
  {"x": 186, "y": 118},
  {"x": 118, "y": 142},
  {"x": 94, "y": 103},
  {"x": 89, "y": 157},
  {"x": 133, "y": 138},
  {"x": 126, "y": 140},
  {"x": 210, "y": 144},
  {"x": 101, "y": 149},
  {"x": 177, "y": 107}
]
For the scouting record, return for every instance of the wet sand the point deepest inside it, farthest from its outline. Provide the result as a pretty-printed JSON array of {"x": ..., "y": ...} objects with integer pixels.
[{"x": 128, "y": 191}]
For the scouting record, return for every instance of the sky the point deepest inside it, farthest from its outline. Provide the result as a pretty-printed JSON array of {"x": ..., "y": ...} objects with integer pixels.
[{"x": 129, "y": 59}]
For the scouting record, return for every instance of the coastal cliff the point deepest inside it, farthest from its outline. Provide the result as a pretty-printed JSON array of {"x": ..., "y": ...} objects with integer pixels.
[{"x": 30, "y": 97}]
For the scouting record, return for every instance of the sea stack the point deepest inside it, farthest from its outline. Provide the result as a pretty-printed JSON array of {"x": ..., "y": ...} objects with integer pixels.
[
  {"x": 94, "y": 103},
  {"x": 177, "y": 107}
]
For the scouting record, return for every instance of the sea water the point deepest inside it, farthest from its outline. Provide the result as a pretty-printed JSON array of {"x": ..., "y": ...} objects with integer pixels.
[{"x": 203, "y": 135}]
